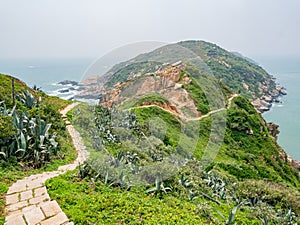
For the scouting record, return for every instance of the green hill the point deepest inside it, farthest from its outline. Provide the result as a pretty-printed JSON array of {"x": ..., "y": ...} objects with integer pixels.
[
  {"x": 238, "y": 73},
  {"x": 171, "y": 144}
]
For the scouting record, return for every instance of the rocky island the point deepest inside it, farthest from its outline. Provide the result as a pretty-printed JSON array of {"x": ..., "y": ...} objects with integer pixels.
[{"x": 232, "y": 69}]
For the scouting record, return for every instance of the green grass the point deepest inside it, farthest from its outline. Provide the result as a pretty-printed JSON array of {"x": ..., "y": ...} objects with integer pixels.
[
  {"x": 152, "y": 99},
  {"x": 85, "y": 203},
  {"x": 250, "y": 163}
]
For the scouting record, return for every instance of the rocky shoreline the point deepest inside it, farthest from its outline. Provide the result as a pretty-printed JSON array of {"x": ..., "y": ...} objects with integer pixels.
[{"x": 265, "y": 102}]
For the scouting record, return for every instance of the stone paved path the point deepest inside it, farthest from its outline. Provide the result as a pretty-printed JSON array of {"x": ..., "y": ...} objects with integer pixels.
[{"x": 27, "y": 200}]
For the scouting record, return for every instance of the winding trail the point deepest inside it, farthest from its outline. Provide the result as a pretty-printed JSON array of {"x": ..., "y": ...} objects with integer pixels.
[
  {"x": 187, "y": 119},
  {"x": 27, "y": 200}
]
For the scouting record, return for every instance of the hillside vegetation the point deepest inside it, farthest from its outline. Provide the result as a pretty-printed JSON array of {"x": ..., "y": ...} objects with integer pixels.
[
  {"x": 153, "y": 162},
  {"x": 174, "y": 140},
  {"x": 33, "y": 136}
]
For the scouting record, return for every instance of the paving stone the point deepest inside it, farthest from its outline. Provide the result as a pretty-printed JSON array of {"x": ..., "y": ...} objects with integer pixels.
[
  {"x": 40, "y": 191},
  {"x": 22, "y": 182},
  {"x": 17, "y": 187},
  {"x": 50, "y": 175},
  {"x": 58, "y": 219},
  {"x": 14, "y": 213},
  {"x": 16, "y": 206},
  {"x": 67, "y": 167},
  {"x": 34, "y": 177},
  {"x": 40, "y": 199},
  {"x": 28, "y": 208},
  {"x": 35, "y": 184},
  {"x": 15, "y": 220},
  {"x": 11, "y": 199},
  {"x": 26, "y": 195},
  {"x": 69, "y": 223},
  {"x": 34, "y": 216},
  {"x": 50, "y": 208}
]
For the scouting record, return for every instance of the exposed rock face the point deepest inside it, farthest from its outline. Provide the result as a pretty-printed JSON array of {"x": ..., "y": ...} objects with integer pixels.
[
  {"x": 268, "y": 98},
  {"x": 295, "y": 164},
  {"x": 112, "y": 96},
  {"x": 171, "y": 73},
  {"x": 164, "y": 82},
  {"x": 273, "y": 130}
]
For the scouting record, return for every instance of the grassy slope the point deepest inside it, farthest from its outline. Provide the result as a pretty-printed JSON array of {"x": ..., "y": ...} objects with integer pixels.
[
  {"x": 240, "y": 69},
  {"x": 12, "y": 171},
  {"x": 99, "y": 204},
  {"x": 249, "y": 158},
  {"x": 239, "y": 160}
]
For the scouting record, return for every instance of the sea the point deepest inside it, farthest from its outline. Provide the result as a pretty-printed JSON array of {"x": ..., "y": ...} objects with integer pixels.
[
  {"x": 47, "y": 73},
  {"x": 286, "y": 113}
]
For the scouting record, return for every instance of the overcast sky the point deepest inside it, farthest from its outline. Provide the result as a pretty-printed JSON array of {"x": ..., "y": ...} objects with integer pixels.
[{"x": 90, "y": 28}]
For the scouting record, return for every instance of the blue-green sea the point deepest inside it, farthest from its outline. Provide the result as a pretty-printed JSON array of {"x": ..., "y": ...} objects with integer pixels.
[
  {"x": 46, "y": 74},
  {"x": 287, "y": 113}
]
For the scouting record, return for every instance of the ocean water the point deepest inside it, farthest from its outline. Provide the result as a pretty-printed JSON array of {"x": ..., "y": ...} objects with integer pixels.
[
  {"x": 287, "y": 113},
  {"x": 47, "y": 73}
]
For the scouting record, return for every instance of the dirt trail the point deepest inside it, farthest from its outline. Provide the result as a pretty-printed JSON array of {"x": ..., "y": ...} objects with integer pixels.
[{"x": 194, "y": 118}]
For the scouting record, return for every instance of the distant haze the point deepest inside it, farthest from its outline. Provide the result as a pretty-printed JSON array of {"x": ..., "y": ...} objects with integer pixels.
[{"x": 91, "y": 28}]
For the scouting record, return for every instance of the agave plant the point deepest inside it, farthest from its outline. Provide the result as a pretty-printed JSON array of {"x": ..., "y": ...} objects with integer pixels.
[
  {"x": 184, "y": 182},
  {"x": 217, "y": 184},
  {"x": 7, "y": 131},
  {"x": 28, "y": 99},
  {"x": 231, "y": 215},
  {"x": 264, "y": 221},
  {"x": 31, "y": 140},
  {"x": 5, "y": 111},
  {"x": 287, "y": 217},
  {"x": 159, "y": 186},
  {"x": 193, "y": 195},
  {"x": 254, "y": 201},
  {"x": 107, "y": 121},
  {"x": 123, "y": 181}
]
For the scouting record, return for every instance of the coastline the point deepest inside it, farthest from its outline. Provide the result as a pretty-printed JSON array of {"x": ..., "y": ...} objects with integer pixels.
[{"x": 265, "y": 102}]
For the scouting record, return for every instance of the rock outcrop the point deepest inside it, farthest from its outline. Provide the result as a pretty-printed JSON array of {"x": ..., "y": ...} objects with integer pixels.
[
  {"x": 265, "y": 102},
  {"x": 165, "y": 82},
  {"x": 273, "y": 130}
]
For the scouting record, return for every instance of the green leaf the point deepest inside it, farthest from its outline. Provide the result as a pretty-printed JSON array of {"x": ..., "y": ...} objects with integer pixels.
[
  {"x": 23, "y": 141},
  {"x": 220, "y": 214}
]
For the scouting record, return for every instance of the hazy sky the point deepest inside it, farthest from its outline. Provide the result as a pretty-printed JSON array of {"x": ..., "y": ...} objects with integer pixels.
[{"x": 90, "y": 28}]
